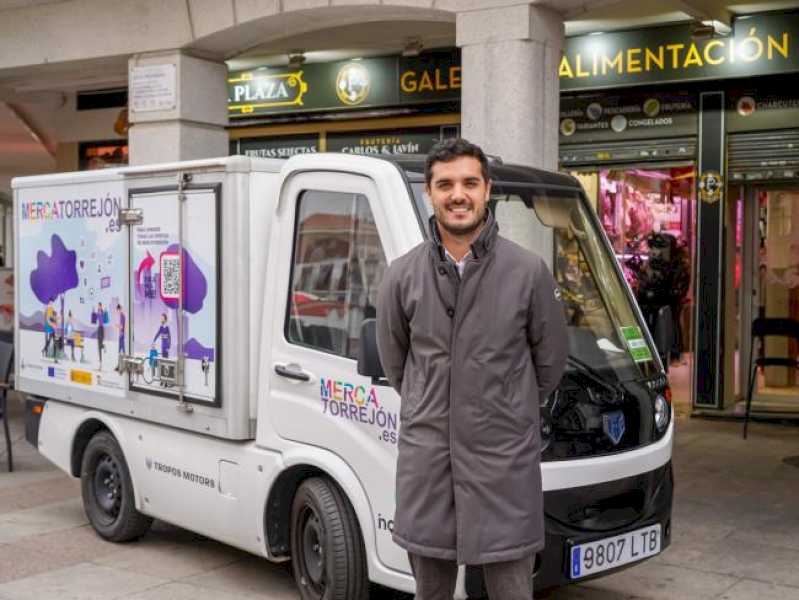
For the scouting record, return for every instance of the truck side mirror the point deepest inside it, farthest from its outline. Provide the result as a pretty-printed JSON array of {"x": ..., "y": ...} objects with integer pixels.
[
  {"x": 368, "y": 357},
  {"x": 664, "y": 334}
]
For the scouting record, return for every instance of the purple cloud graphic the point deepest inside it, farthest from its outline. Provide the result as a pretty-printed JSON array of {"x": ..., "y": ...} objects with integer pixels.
[
  {"x": 55, "y": 274},
  {"x": 194, "y": 349},
  {"x": 195, "y": 285}
]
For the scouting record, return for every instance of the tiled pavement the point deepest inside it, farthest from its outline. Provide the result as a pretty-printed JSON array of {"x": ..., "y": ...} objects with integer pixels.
[{"x": 735, "y": 535}]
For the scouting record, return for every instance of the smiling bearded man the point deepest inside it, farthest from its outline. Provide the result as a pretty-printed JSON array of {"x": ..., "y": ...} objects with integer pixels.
[{"x": 472, "y": 335}]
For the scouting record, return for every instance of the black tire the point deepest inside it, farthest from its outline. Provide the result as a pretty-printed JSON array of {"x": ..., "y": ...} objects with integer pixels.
[
  {"x": 108, "y": 492},
  {"x": 327, "y": 551}
]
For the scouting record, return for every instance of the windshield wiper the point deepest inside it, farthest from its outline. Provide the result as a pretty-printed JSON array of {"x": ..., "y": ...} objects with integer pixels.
[{"x": 592, "y": 374}]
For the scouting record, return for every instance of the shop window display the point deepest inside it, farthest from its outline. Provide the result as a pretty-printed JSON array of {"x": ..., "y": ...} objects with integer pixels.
[
  {"x": 648, "y": 214},
  {"x": 102, "y": 155}
]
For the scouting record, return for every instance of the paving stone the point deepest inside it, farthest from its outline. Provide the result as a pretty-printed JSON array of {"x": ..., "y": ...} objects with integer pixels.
[
  {"x": 744, "y": 558},
  {"x": 780, "y": 532},
  {"x": 42, "y": 519},
  {"x": 749, "y": 590},
  {"x": 185, "y": 591},
  {"x": 84, "y": 581},
  {"x": 52, "y": 488},
  {"x": 17, "y": 563},
  {"x": 82, "y": 541},
  {"x": 655, "y": 581},
  {"x": 252, "y": 576},
  {"x": 12, "y": 482},
  {"x": 580, "y": 592},
  {"x": 172, "y": 561}
]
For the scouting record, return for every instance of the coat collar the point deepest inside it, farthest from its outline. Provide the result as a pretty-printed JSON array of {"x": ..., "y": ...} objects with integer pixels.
[{"x": 480, "y": 246}]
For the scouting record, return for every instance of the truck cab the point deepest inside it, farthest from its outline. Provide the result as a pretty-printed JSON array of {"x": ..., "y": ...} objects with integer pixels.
[{"x": 253, "y": 424}]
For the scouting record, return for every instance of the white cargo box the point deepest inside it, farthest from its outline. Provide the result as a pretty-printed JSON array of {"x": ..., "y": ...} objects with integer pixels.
[{"x": 177, "y": 295}]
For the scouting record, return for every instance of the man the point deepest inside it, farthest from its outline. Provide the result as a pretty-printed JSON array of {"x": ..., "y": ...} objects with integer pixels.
[
  {"x": 69, "y": 334},
  {"x": 165, "y": 335},
  {"x": 50, "y": 323},
  {"x": 121, "y": 329},
  {"x": 98, "y": 318},
  {"x": 472, "y": 336}
]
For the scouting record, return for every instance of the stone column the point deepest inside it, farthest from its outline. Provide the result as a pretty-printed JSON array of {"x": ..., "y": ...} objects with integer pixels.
[
  {"x": 192, "y": 126},
  {"x": 510, "y": 95}
]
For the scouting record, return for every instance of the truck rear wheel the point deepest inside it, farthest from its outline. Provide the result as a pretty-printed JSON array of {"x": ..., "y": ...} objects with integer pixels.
[
  {"x": 328, "y": 556},
  {"x": 108, "y": 492}
]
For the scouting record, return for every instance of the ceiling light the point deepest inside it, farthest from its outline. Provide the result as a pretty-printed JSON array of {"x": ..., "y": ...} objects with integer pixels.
[
  {"x": 705, "y": 30},
  {"x": 296, "y": 58},
  {"x": 413, "y": 47}
]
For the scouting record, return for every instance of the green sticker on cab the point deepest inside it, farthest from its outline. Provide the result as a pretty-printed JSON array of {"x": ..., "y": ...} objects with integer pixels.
[{"x": 636, "y": 343}]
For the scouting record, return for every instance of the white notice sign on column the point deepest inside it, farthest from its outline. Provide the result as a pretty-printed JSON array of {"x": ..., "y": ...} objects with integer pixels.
[{"x": 152, "y": 87}]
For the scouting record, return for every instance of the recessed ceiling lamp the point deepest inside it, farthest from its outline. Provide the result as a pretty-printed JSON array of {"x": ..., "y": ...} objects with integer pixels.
[
  {"x": 296, "y": 59},
  {"x": 413, "y": 47},
  {"x": 705, "y": 30}
]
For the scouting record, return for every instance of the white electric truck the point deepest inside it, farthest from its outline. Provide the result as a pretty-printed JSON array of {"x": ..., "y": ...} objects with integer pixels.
[{"x": 188, "y": 338}]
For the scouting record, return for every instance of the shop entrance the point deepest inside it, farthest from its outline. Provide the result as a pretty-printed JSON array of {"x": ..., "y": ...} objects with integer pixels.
[
  {"x": 648, "y": 211},
  {"x": 769, "y": 287}
]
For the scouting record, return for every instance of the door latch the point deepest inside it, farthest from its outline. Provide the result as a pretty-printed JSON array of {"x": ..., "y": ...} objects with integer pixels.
[{"x": 131, "y": 216}]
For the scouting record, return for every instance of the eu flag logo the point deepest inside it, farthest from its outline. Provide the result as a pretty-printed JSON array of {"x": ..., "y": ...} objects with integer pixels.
[{"x": 576, "y": 562}]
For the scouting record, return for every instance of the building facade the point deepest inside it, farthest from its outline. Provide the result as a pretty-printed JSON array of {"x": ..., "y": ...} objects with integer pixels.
[
  {"x": 687, "y": 146},
  {"x": 681, "y": 121}
]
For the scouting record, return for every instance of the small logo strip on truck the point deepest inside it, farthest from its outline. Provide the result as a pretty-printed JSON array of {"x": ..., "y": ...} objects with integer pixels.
[
  {"x": 360, "y": 404},
  {"x": 77, "y": 376},
  {"x": 195, "y": 478}
]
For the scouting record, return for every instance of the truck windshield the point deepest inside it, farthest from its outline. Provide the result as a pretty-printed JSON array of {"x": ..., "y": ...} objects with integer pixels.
[{"x": 605, "y": 333}]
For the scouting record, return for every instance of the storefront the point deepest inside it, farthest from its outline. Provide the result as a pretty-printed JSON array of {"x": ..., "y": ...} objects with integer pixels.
[
  {"x": 636, "y": 154},
  {"x": 691, "y": 164}
]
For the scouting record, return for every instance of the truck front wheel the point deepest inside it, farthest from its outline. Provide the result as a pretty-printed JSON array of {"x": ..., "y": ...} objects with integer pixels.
[
  {"x": 327, "y": 552},
  {"x": 108, "y": 492}
]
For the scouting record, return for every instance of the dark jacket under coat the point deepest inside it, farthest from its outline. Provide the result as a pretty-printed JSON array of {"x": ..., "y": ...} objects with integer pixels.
[{"x": 471, "y": 358}]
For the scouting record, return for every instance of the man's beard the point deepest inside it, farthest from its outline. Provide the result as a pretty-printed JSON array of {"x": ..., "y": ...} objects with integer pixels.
[{"x": 461, "y": 230}]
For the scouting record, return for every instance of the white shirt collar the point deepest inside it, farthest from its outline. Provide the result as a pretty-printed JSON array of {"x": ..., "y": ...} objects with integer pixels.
[{"x": 459, "y": 264}]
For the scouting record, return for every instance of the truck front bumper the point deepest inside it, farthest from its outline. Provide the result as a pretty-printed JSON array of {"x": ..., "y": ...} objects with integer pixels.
[{"x": 590, "y": 513}]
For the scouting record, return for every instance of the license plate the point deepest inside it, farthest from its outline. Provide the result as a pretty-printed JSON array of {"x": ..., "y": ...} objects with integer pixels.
[{"x": 612, "y": 552}]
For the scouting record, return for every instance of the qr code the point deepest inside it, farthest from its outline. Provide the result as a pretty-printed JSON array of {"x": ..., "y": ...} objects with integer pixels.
[{"x": 170, "y": 276}]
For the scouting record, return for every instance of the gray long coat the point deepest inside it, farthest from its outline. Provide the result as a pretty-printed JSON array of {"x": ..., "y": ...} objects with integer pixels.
[{"x": 470, "y": 358}]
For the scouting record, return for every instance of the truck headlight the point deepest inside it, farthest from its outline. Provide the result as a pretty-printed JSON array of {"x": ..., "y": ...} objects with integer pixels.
[{"x": 662, "y": 412}]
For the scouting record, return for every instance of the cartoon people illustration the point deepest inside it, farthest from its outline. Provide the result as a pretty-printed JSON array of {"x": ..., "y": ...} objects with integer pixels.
[
  {"x": 100, "y": 318},
  {"x": 50, "y": 323},
  {"x": 69, "y": 334},
  {"x": 151, "y": 360},
  {"x": 166, "y": 337},
  {"x": 121, "y": 328}
]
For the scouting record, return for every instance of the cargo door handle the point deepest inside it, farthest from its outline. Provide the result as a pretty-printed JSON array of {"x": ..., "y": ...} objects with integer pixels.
[{"x": 292, "y": 371}]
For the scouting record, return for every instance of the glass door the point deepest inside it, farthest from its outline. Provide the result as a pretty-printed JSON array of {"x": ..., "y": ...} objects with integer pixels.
[{"x": 774, "y": 288}]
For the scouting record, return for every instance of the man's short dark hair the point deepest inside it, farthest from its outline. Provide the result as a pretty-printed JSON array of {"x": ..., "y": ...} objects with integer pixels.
[{"x": 450, "y": 149}]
